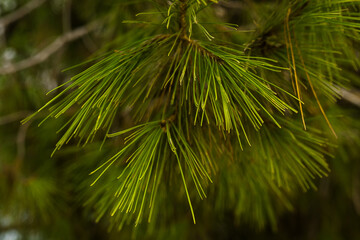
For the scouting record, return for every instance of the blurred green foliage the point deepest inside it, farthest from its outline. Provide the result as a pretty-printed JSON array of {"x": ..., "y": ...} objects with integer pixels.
[{"x": 51, "y": 198}]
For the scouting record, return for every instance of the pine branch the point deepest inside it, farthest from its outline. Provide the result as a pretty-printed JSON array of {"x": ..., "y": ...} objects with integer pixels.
[
  {"x": 227, "y": 72},
  {"x": 193, "y": 103},
  {"x": 148, "y": 155},
  {"x": 307, "y": 57}
]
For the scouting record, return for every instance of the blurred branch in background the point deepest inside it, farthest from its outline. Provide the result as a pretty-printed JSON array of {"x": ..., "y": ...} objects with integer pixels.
[
  {"x": 17, "y": 116},
  {"x": 352, "y": 96},
  {"x": 50, "y": 198},
  {"x": 233, "y": 4},
  {"x": 21, "y": 12},
  {"x": 50, "y": 49},
  {"x": 66, "y": 16},
  {"x": 20, "y": 144}
]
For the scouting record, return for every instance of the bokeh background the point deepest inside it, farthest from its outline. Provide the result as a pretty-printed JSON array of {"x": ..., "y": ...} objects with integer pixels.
[{"x": 43, "y": 197}]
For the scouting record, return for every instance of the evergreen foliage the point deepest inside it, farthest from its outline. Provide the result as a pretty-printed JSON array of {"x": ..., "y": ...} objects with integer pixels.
[{"x": 202, "y": 113}]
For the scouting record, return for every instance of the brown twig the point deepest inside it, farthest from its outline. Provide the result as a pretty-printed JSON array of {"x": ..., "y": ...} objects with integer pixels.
[
  {"x": 356, "y": 193},
  {"x": 49, "y": 50},
  {"x": 351, "y": 96},
  {"x": 21, "y": 12},
  {"x": 66, "y": 16},
  {"x": 12, "y": 117},
  {"x": 20, "y": 145},
  {"x": 233, "y": 5},
  {"x": 182, "y": 18}
]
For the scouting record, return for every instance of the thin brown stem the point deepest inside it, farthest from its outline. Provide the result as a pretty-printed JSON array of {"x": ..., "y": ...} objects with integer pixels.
[
  {"x": 45, "y": 53},
  {"x": 13, "y": 117},
  {"x": 182, "y": 19},
  {"x": 21, "y": 146},
  {"x": 21, "y": 12}
]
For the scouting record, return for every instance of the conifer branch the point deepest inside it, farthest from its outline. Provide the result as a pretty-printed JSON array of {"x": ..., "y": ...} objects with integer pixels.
[{"x": 193, "y": 104}]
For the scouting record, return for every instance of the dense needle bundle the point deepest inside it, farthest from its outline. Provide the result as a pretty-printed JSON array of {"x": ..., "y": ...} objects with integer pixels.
[{"x": 215, "y": 112}]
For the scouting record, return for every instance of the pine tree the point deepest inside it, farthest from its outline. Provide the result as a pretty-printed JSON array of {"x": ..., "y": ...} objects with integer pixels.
[{"x": 204, "y": 117}]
